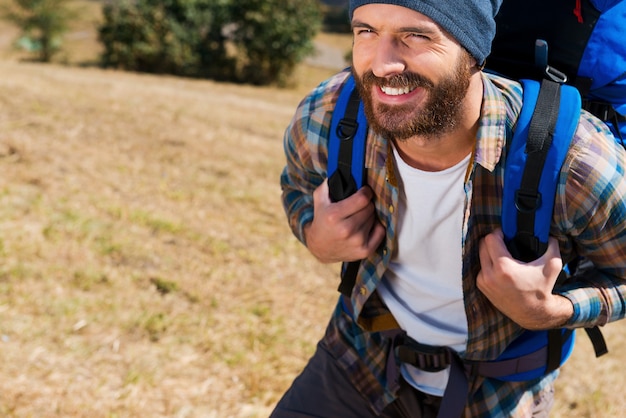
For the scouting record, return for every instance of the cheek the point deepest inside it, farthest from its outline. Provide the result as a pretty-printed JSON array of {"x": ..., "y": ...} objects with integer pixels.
[
  {"x": 358, "y": 61},
  {"x": 362, "y": 55}
]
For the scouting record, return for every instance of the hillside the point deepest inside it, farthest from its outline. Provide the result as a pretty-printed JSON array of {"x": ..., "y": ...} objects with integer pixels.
[{"x": 146, "y": 266}]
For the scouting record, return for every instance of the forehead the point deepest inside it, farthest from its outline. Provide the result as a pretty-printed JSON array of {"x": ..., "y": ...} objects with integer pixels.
[{"x": 391, "y": 15}]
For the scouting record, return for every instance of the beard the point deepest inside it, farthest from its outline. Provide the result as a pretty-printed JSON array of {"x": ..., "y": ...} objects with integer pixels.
[{"x": 440, "y": 113}]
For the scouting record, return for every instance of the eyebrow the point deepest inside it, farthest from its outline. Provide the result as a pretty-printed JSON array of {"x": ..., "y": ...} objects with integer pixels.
[
  {"x": 359, "y": 24},
  {"x": 425, "y": 29}
]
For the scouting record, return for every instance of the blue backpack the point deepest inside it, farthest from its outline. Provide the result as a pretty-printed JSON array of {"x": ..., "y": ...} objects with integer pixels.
[{"x": 586, "y": 40}]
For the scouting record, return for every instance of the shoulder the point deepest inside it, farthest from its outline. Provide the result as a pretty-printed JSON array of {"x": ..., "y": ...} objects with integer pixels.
[
  {"x": 313, "y": 115},
  {"x": 596, "y": 162},
  {"x": 502, "y": 96},
  {"x": 501, "y": 105},
  {"x": 323, "y": 98},
  {"x": 508, "y": 90},
  {"x": 593, "y": 141}
]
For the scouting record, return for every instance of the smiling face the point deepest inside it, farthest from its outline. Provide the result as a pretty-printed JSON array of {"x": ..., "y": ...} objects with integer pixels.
[{"x": 412, "y": 75}]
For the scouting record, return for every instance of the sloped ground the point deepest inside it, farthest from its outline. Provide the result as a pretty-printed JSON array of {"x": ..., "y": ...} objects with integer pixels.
[{"x": 146, "y": 266}]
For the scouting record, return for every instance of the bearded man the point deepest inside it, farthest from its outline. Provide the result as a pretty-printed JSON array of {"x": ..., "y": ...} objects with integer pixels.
[{"x": 436, "y": 285}]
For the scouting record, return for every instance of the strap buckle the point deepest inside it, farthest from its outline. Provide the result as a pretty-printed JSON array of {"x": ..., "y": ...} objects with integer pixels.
[
  {"x": 527, "y": 201},
  {"x": 346, "y": 129},
  {"x": 425, "y": 357}
]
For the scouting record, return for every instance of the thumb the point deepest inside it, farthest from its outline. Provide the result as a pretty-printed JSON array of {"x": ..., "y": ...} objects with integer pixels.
[
  {"x": 551, "y": 259},
  {"x": 321, "y": 194}
]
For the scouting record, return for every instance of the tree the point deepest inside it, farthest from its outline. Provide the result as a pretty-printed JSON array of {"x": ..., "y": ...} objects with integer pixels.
[
  {"x": 159, "y": 36},
  {"x": 42, "y": 22},
  {"x": 273, "y": 36},
  {"x": 251, "y": 41}
]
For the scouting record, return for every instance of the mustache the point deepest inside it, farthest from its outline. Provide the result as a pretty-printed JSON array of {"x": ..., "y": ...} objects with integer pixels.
[{"x": 406, "y": 79}]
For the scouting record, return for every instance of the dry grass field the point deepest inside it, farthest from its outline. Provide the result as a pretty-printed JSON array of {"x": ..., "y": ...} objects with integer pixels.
[{"x": 146, "y": 269}]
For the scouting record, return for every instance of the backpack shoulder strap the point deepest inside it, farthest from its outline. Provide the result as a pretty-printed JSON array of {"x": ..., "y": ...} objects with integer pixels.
[
  {"x": 545, "y": 126},
  {"x": 544, "y": 130},
  {"x": 346, "y": 147},
  {"x": 547, "y": 122},
  {"x": 346, "y": 160}
]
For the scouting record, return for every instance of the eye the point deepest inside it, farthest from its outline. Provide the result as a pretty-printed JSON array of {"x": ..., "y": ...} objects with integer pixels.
[
  {"x": 362, "y": 31},
  {"x": 419, "y": 36}
]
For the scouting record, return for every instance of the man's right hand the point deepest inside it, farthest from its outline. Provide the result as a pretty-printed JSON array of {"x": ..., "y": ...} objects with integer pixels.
[{"x": 347, "y": 230}]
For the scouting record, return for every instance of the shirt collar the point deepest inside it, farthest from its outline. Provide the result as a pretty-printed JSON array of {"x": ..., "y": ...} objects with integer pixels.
[{"x": 501, "y": 104}]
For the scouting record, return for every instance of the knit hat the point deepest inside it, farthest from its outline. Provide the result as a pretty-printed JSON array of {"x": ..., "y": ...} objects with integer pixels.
[{"x": 470, "y": 22}]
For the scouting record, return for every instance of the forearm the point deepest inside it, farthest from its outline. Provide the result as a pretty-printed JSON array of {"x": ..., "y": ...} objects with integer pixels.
[
  {"x": 557, "y": 312},
  {"x": 590, "y": 214},
  {"x": 298, "y": 207},
  {"x": 298, "y": 180},
  {"x": 597, "y": 298}
]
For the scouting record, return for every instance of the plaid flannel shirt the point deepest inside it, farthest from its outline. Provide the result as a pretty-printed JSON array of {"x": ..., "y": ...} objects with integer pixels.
[{"x": 589, "y": 219}]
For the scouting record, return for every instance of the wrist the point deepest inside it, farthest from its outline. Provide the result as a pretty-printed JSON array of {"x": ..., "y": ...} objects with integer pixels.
[
  {"x": 557, "y": 313},
  {"x": 564, "y": 310}
]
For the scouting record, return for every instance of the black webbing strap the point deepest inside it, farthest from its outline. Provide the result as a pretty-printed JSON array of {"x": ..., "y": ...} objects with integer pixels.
[
  {"x": 425, "y": 357},
  {"x": 434, "y": 359},
  {"x": 598, "y": 341},
  {"x": 456, "y": 392},
  {"x": 341, "y": 184},
  {"x": 555, "y": 344},
  {"x": 525, "y": 246},
  {"x": 348, "y": 277},
  {"x": 556, "y": 340}
]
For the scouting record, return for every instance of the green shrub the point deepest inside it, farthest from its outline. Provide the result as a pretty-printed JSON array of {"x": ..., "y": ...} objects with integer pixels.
[
  {"x": 42, "y": 23},
  {"x": 253, "y": 41},
  {"x": 273, "y": 36},
  {"x": 154, "y": 35}
]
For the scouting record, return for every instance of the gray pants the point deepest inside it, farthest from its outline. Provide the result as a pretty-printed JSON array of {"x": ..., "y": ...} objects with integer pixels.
[{"x": 323, "y": 390}]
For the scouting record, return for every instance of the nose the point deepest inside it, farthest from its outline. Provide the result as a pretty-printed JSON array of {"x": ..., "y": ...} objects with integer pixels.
[{"x": 388, "y": 59}]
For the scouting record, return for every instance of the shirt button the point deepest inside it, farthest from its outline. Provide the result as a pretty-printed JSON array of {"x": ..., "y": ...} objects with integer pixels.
[
  {"x": 391, "y": 208},
  {"x": 363, "y": 290}
]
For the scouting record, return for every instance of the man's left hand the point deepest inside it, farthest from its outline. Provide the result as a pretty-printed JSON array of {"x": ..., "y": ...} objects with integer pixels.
[{"x": 523, "y": 291}]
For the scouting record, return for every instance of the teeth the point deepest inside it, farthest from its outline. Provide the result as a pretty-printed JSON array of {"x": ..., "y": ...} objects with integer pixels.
[{"x": 394, "y": 91}]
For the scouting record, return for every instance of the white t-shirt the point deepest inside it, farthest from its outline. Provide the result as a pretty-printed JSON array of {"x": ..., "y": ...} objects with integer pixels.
[{"x": 423, "y": 286}]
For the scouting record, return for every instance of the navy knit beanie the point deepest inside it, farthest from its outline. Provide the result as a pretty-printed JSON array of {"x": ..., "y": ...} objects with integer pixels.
[{"x": 471, "y": 23}]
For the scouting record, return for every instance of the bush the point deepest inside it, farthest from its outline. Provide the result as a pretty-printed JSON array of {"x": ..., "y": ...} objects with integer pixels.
[
  {"x": 156, "y": 36},
  {"x": 253, "y": 41},
  {"x": 273, "y": 36},
  {"x": 42, "y": 22}
]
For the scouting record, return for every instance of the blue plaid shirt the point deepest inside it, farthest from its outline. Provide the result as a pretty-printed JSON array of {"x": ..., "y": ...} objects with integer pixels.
[{"x": 589, "y": 219}]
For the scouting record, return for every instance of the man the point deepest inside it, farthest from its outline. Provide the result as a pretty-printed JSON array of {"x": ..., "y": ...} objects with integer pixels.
[{"x": 437, "y": 283}]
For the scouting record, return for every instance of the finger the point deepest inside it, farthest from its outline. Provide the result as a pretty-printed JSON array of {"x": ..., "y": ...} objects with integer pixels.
[
  {"x": 553, "y": 248},
  {"x": 377, "y": 235},
  {"x": 551, "y": 259},
  {"x": 370, "y": 239},
  {"x": 358, "y": 201},
  {"x": 361, "y": 215},
  {"x": 321, "y": 194},
  {"x": 358, "y": 210},
  {"x": 484, "y": 252},
  {"x": 498, "y": 233},
  {"x": 496, "y": 246},
  {"x": 486, "y": 263}
]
